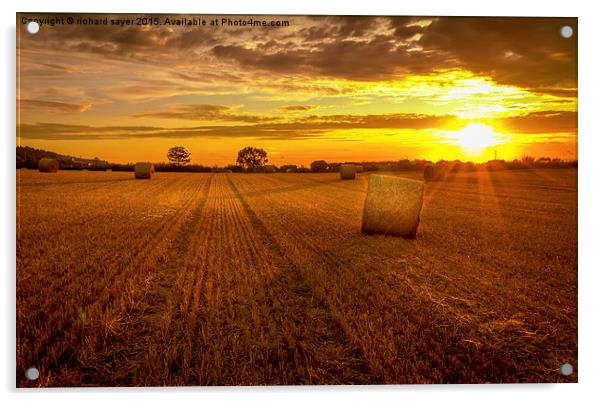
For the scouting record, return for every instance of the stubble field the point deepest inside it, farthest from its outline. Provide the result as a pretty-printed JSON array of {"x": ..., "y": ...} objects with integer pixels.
[{"x": 250, "y": 279}]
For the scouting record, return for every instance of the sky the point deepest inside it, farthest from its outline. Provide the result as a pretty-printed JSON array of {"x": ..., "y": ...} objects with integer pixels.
[{"x": 338, "y": 88}]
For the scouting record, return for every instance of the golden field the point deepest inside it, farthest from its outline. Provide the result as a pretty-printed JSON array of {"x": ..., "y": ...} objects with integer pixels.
[{"x": 251, "y": 279}]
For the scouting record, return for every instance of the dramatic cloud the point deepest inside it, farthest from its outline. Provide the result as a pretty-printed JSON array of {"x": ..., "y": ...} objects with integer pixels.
[
  {"x": 380, "y": 78},
  {"x": 378, "y": 58},
  {"x": 526, "y": 52}
]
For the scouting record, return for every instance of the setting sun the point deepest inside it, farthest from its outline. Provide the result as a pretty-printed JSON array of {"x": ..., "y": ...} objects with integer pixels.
[{"x": 474, "y": 138}]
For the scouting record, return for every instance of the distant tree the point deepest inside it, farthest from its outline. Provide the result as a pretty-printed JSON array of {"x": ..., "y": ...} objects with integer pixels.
[
  {"x": 178, "y": 155},
  {"x": 318, "y": 166},
  {"x": 252, "y": 158},
  {"x": 403, "y": 165},
  {"x": 527, "y": 160},
  {"x": 288, "y": 168}
]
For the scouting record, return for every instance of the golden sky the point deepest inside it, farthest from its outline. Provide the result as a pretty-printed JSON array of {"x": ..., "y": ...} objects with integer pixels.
[{"x": 334, "y": 88}]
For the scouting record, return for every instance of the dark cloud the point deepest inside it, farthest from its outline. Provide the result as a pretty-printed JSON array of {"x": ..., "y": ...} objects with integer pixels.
[
  {"x": 309, "y": 126},
  {"x": 526, "y": 52},
  {"x": 205, "y": 112},
  {"x": 354, "y": 26},
  {"x": 43, "y": 106},
  {"x": 137, "y": 42},
  {"x": 281, "y": 61},
  {"x": 557, "y": 92},
  {"x": 325, "y": 28},
  {"x": 54, "y": 131},
  {"x": 540, "y": 122},
  {"x": 59, "y": 67},
  {"x": 296, "y": 108},
  {"x": 379, "y": 58}
]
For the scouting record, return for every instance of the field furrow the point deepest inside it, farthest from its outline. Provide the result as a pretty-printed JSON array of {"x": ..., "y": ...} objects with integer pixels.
[
  {"x": 249, "y": 279},
  {"x": 111, "y": 276},
  {"x": 223, "y": 306}
]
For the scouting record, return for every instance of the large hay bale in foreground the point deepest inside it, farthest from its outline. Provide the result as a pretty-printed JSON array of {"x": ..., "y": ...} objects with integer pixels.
[
  {"x": 47, "y": 165},
  {"x": 433, "y": 173},
  {"x": 144, "y": 170},
  {"x": 347, "y": 171},
  {"x": 392, "y": 206}
]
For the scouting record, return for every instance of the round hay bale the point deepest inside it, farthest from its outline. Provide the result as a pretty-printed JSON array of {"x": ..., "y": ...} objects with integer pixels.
[
  {"x": 227, "y": 170},
  {"x": 347, "y": 171},
  {"x": 359, "y": 169},
  {"x": 99, "y": 166},
  {"x": 392, "y": 206},
  {"x": 144, "y": 170},
  {"x": 47, "y": 165},
  {"x": 269, "y": 169},
  {"x": 433, "y": 173}
]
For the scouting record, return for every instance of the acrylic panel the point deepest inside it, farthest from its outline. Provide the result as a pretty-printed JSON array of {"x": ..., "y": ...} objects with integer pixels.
[{"x": 295, "y": 200}]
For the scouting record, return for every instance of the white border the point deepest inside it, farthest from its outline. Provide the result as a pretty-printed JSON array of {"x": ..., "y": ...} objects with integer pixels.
[{"x": 590, "y": 200}]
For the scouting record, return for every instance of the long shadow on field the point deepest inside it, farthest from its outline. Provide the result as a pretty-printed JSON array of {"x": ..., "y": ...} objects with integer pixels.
[
  {"x": 275, "y": 190},
  {"x": 338, "y": 183},
  {"x": 331, "y": 338},
  {"x": 49, "y": 184}
]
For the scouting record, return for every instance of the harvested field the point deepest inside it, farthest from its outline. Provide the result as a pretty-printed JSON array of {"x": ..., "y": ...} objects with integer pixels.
[{"x": 225, "y": 279}]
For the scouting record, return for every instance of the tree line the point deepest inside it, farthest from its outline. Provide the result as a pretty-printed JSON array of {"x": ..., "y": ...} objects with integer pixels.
[{"x": 251, "y": 159}]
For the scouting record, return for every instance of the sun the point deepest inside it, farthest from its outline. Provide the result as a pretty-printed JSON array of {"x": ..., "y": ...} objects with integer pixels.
[{"x": 476, "y": 137}]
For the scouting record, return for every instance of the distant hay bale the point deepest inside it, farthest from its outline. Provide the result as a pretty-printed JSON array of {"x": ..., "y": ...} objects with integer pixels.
[
  {"x": 347, "y": 171},
  {"x": 392, "y": 206},
  {"x": 47, "y": 165},
  {"x": 144, "y": 170},
  {"x": 99, "y": 166},
  {"x": 269, "y": 169},
  {"x": 433, "y": 173},
  {"x": 227, "y": 170},
  {"x": 359, "y": 168}
]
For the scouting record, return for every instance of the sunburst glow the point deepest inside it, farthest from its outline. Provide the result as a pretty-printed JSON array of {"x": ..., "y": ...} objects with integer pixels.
[{"x": 474, "y": 138}]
